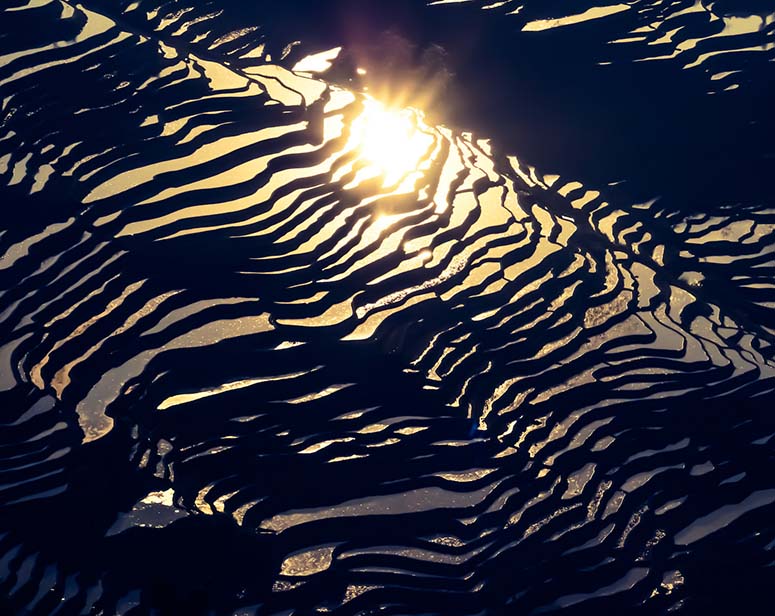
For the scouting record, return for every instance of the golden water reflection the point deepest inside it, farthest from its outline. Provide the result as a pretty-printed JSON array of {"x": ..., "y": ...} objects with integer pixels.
[{"x": 391, "y": 141}]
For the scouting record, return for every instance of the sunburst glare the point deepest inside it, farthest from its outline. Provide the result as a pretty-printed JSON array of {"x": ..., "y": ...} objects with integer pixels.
[{"x": 391, "y": 141}]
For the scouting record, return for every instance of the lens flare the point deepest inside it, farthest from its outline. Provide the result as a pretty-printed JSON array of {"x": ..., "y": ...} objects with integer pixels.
[{"x": 390, "y": 141}]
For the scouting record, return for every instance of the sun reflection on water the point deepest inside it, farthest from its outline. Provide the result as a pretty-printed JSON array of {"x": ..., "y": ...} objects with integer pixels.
[{"x": 390, "y": 141}]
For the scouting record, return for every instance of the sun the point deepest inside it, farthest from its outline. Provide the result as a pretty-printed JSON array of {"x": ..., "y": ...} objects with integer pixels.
[{"x": 390, "y": 141}]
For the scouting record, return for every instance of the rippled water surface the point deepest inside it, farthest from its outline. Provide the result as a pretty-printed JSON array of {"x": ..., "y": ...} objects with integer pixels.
[{"x": 397, "y": 307}]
